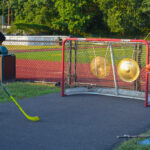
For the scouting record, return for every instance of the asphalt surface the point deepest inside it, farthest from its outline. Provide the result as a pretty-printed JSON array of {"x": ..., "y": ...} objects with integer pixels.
[{"x": 79, "y": 122}]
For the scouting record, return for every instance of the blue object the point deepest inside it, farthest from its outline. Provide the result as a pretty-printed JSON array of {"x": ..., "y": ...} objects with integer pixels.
[
  {"x": 144, "y": 142},
  {"x": 3, "y": 50}
]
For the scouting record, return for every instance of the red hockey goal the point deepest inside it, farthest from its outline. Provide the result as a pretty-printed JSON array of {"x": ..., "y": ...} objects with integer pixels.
[{"x": 81, "y": 75}]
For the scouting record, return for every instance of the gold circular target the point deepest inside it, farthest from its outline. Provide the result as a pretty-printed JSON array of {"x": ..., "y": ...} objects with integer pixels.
[
  {"x": 128, "y": 70},
  {"x": 100, "y": 67}
]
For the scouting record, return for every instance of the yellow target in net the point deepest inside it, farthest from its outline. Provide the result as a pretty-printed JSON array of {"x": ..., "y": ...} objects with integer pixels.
[{"x": 100, "y": 67}]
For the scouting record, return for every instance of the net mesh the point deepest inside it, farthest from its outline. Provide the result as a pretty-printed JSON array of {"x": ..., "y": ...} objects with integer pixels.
[{"x": 79, "y": 54}]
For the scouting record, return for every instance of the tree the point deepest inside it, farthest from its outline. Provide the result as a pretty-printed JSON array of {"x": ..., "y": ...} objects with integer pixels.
[
  {"x": 75, "y": 16},
  {"x": 122, "y": 16},
  {"x": 34, "y": 14},
  {"x": 4, "y": 10},
  {"x": 146, "y": 11},
  {"x": 17, "y": 7},
  {"x": 146, "y": 7},
  {"x": 82, "y": 16},
  {"x": 33, "y": 11}
]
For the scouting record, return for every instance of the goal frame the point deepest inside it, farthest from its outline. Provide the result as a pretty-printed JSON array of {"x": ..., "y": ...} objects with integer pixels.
[{"x": 146, "y": 99}]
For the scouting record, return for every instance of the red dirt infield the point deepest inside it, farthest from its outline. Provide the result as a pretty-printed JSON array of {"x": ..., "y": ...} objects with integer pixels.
[
  {"x": 38, "y": 70},
  {"x": 51, "y": 71}
]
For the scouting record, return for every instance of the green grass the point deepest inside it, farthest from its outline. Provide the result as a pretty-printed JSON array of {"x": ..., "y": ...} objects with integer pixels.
[
  {"x": 30, "y": 47},
  {"x": 21, "y": 90},
  {"x": 132, "y": 144},
  {"x": 84, "y": 55},
  {"x": 46, "y": 56}
]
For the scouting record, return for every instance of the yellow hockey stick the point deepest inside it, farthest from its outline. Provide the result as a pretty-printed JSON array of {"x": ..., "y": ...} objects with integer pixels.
[{"x": 32, "y": 118}]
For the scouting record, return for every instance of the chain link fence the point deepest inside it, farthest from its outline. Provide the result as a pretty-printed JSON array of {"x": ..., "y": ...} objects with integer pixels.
[{"x": 38, "y": 58}]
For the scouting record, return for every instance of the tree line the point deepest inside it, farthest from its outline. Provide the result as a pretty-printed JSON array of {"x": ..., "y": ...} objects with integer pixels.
[{"x": 77, "y": 17}]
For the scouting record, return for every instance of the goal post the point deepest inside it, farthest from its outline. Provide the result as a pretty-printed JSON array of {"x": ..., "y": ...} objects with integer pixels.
[{"x": 112, "y": 67}]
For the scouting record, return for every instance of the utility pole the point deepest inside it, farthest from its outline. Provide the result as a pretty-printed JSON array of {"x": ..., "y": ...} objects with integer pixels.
[
  {"x": 2, "y": 18},
  {"x": 8, "y": 19}
]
